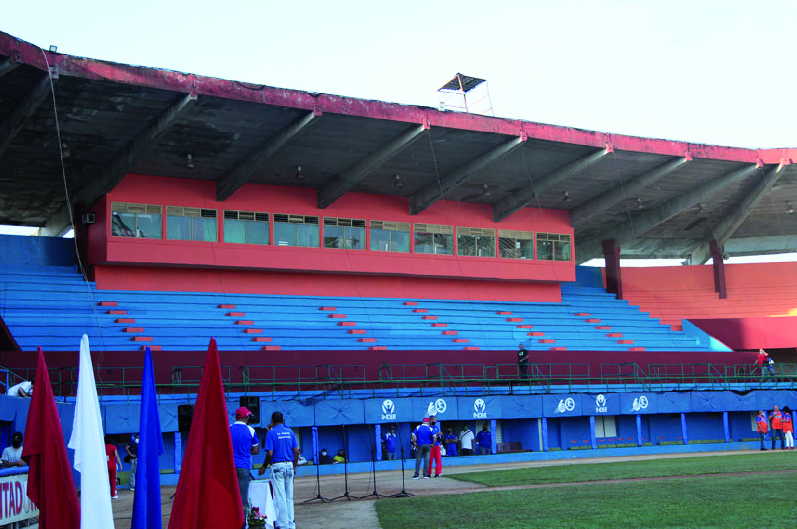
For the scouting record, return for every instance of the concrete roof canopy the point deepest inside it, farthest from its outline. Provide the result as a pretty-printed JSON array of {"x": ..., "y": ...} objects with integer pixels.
[{"x": 658, "y": 198}]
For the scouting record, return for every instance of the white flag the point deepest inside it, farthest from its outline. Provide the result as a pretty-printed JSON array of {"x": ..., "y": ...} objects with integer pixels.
[{"x": 88, "y": 442}]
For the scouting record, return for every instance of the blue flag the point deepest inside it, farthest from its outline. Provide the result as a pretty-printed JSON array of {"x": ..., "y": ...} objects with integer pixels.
[{"x": 147, "y": 500}]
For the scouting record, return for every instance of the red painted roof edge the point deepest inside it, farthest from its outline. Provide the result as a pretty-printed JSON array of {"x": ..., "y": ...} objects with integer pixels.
[{"x": 32, "y": 55}]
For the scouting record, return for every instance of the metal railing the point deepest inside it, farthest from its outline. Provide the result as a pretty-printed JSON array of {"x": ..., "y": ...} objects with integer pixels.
[{"x": 439, "y": 377}]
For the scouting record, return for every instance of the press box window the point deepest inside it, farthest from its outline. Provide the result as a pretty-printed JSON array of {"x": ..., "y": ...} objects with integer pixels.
[
  {"x": 136, "y": 220},
  {"x": 245, "y": 227},
  {"x": 553, "y": 247},
  {"x": 390, "y": 236},
  {"x": 348, "y": 234},
  {"x": 476, "y": 242},
  {"x": 296, "y": 230},
  {"x": 434, "y": 239},
  {"x": 516, "y": 244},
  {"x": 191, "y": 224}
]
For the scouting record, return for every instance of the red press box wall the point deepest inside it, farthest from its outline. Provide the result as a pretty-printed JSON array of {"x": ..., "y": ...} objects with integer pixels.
[
  {"x": 227, "y": 267},
  {"x": 761, "y": 297}
]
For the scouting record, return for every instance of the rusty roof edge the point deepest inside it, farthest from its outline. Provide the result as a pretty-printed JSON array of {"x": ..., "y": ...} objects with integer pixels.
[{"x": 163, "y": 79}]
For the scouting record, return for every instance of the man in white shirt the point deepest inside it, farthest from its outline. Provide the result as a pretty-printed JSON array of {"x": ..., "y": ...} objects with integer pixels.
[
  {"x": 23, "y": 389},
  {"x": 12, "y": 455},
  {"x": 466, "y": 439}
]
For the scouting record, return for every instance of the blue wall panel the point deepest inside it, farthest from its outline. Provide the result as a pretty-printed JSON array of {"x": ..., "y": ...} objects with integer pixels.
[
  {"x": 574, "y": 431},
  {"x": 333, "y": 412},
  {"x": 296, "y": 413},
  {"x": 523, "y": 431},
  {"x": 705, "y": 426},
  {"x": 121, "y": 417},
  {"x": 521, "y": 406},
  {"x": 664, "y": 428}
]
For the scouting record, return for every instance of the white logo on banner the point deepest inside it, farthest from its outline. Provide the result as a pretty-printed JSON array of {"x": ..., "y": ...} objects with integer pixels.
[
  {"x": 565, "y": 405},
  {"x": 437, "y": 407},
  {"x": 600, "y": 404},
  {"x": 640, "y": 403},
  {"x": 479, "y": 409},
  {"x": 388, "y": 410}
]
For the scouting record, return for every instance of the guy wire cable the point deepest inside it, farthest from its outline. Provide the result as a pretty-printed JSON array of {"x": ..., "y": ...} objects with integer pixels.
[{"x": 68, "y": 203}]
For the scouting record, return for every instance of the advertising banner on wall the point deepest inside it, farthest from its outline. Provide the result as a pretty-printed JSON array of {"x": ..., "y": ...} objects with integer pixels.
[
  {"x": 15, "y": 505},
  {"x": 600, "y": 404},
  {"x": 561, "y": 405},
  {"x": 390, "y": 409}
]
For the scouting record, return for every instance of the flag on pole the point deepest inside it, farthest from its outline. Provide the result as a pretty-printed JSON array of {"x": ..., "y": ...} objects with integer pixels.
[
  {"x": 50, "y": 484},
  {"x": 207, "y": 495},
  {"x": 89, "y": 445},
  {"x": 147, "y": 500}
]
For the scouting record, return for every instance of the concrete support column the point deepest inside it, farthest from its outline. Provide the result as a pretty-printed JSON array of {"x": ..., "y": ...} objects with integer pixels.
[
  {"x": 726, "y": 427},
  {"x": 178, "y": 452},
  {"x": 638, "y": 419},
  {"x": 315, "y": 445},
  {"x": 493, "y": 436},
  {"x": 717, "y": 252},
  {"x": 614, "y": 281},
  {"x": 593, "y": 441},
  {"x": 684, "y": 430},
  {"x": 544, "y": 429},
  {"x": 378, "y": 442}
]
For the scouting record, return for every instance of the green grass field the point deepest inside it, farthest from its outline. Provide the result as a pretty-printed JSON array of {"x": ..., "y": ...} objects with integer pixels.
[
  {"x": 699, "y": 502},
  {"x": 681, "y": 466}
]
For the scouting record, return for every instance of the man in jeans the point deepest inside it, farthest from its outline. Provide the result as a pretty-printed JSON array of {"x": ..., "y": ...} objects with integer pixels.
[
  {"x": 423, "y": 440},
  {"x": 244, "y": 446},
  {"x": 282, "y": 453}
]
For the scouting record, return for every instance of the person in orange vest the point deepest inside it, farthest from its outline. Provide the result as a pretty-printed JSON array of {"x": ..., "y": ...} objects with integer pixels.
[
  {"x": 787, "y": 422},
  {"x": 762, "y": 427},
  {"x": 775, "y": 422}
]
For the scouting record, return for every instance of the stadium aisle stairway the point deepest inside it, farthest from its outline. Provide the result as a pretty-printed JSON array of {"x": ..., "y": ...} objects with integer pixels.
[{"x": 53, "y": 307}]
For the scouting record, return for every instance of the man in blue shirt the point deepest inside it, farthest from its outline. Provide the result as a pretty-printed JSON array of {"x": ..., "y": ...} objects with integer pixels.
[
  {"x": 435, "y": 453},
  {"x": 451, "y": 443},
  {"x": 244, "y": 446},
  {"x": 282, "y": 454},
  {"x": 391, "y": 443},
  {"x": 423, "y": 441},
  {"x": 484, "y": 441}
]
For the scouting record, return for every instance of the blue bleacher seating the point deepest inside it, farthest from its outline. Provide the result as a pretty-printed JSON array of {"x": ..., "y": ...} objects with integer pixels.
[{"x": 52, "y": 306}]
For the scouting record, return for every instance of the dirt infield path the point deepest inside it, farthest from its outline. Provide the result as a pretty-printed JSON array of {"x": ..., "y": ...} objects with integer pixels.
[{"x": 344, "y": 514}]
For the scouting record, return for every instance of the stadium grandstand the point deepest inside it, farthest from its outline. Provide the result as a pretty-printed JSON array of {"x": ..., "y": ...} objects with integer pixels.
[{"x": 363, "y": 263}]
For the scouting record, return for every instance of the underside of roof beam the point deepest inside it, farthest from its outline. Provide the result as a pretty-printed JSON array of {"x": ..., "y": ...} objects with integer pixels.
[
  {"x": 7, "y": 65},
  {"x": 58, "y": 224},
  {"x": 24, "y": 110},
  {"x": 438, "y": 190},
  {"x": 522, "y": 198},
  {"x": 339, "y": 186},
  {"x": 630, "y": 188},
  {"x": 737, "y": 214},
  {"x": 233, "y": 180},
  {"x": 638, "y": 226},
  {"x": 124, "y": 160}
]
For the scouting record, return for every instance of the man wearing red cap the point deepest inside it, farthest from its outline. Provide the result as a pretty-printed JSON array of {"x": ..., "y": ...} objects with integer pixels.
[{"x": 244, "y": 446}]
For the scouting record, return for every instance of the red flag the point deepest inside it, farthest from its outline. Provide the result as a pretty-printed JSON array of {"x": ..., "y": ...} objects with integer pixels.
[
  {"x": 50, "y": 484},
  {"x": 207, "y": 495}
]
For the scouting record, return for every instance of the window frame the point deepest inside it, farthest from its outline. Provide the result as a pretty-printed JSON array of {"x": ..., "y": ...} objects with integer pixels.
[
  {"x": 438, "y": 229},
  {"x": 517, "y": 235},
  {"x": 114, "y": 204},
  {"x": 204, "y": 213},
  {"x": 409, "y": 233},
  {"x": 465, "y": 229},
  {"x": 292, "y": 218},
  {"x": 264, "y": 218},
  {"x": 560, "y": 238},
  {"x": 346, "y": 223}
]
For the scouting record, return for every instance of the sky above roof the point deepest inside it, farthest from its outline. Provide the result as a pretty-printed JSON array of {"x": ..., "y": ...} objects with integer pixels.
[{"x": 718, "y": 72}]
